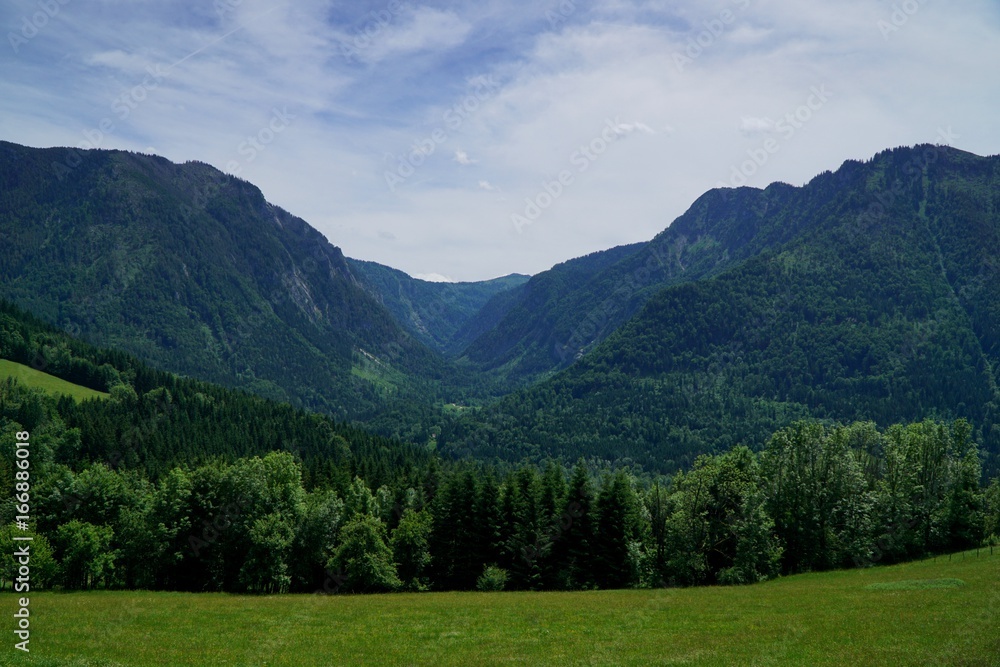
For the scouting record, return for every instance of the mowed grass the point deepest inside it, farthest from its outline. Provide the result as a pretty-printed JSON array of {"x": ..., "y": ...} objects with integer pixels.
[
  {"x": 834, "y": 618},
  {"x": 49, "y": 383}
]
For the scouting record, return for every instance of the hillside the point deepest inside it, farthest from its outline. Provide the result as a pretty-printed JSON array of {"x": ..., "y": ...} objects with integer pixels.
[
  {"x": 434, "y": 312},
  {"x": 565, "y": 312},
  {"x": 514, "y": 335},
  {"x": 869, "y": 293},
  {"x": 50, "y": 384},
  {"x": 194, "y": 272},
  {"x": 154, "y": 420}
]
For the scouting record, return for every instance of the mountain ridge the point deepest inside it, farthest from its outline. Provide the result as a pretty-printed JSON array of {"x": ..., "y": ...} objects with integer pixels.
[
  {"x": 872, "y": 296},
  {"x": 139, "y": 253}
]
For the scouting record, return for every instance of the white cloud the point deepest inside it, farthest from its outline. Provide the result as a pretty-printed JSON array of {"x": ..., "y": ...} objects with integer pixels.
[
  {"x": 751, "y": 127},
  {"x": 433, "y": 278},
  {"x": 463, "y": 158},
  {"x": 410, "y": 31}
]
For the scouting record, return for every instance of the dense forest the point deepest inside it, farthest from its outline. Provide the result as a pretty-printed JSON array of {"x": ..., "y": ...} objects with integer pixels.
[
  {"x": 815, "y": 498},
  {"x": 177, "y": 484}
]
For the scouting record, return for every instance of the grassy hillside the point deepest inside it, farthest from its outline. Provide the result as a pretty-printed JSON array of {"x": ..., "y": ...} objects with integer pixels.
[
  {"x": 48, "y": 383},
  {"x": 943, "y": 612}
]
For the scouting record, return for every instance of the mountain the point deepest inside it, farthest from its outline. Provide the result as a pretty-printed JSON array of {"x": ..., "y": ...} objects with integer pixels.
[
  {"x": 565, "y": 312},
  {"x": 434, "y": 312},
  {"x": 514, "y": 332},
  {"x": 195, "y": 272},
  {"x": 872, "y": 293},
  {"x": 868, "y": 293}
]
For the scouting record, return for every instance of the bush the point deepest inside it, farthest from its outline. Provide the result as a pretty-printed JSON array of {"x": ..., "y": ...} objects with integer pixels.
[{"x": 493, "y": 578}]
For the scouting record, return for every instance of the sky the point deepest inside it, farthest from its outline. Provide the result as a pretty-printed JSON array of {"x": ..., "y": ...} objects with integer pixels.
[{"x": 468, "y": 140}]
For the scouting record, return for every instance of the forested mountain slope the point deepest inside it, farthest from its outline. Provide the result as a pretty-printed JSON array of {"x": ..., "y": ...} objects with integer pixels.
[
  {"x": 514, "y": 333},
  {"x": 566, "y": 311},
  {"x": 434, "y": 312},
  {"x": 155, "y": 420},
  {"x": 869, "y": 293},
  {"x": 194, "y": 272}
]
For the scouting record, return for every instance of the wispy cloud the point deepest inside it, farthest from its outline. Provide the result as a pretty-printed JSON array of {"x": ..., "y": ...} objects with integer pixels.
[{"x": 463, "y": 158}]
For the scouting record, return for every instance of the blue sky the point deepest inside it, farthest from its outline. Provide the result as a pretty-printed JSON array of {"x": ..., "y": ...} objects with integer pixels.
[{"x": 470, "y": 140}]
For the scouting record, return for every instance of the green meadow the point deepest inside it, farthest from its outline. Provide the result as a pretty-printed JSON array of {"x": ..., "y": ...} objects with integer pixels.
[
  {"x": 48, "y": 383},
  {"x": 943, "y": 611}
]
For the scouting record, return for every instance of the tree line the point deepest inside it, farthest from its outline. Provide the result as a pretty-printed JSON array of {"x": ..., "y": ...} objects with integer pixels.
[{"x": 817, "y": 497}]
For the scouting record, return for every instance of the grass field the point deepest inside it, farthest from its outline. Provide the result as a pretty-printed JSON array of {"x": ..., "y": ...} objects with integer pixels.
[
  {"x": 49, "y": 383},
  {"x": 934, "y": 612}
]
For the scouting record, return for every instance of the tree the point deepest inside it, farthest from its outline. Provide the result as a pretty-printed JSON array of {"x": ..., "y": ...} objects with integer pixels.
[
  {"x": 991, "y": 511},
  {"x": 552, "y": 520},
  {"x": 43, "y": 566},
  {"x": 315, "y": 539},
  {"x": 492, "y": 579},
  {"x": 455, "y": 537},
  {"x": 526, "y": 544},
  {"x": 962, "y": 525},
  {"x": 659, "y": 509},
  {"x": 266, "y": 567},
  {"x": 720, "y": 530},
  {"x": 488, "y": 539},
  {"x": 84, "y": 554},
  {"x": 269, "y": 503},
  {"x": 170, "y": 521},
  {"x": 363, "y": 557},
  {"x": 818, "y": 496},
  {"x": 410, "y": 549},
  {"x": 572, "y": 550},
  {"x": 912, "y": 495},
  {"x": 618, "y": 526}
]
